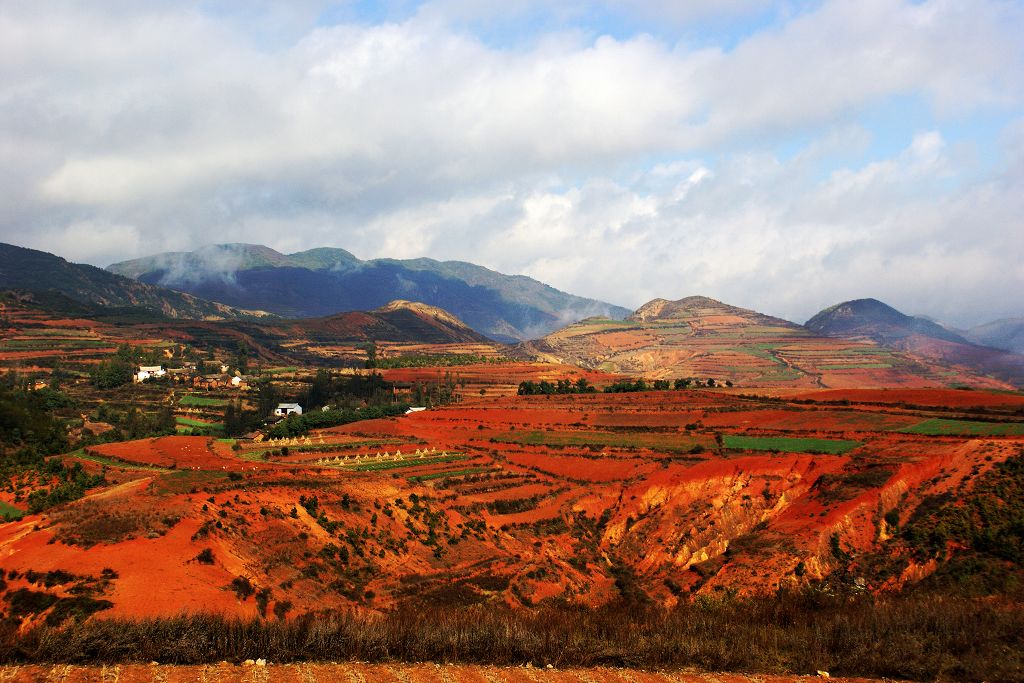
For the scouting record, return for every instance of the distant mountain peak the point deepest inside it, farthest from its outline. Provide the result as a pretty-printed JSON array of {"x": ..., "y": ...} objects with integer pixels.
[
  {"x": 695, "y": 307},
  {"x": 876, "y": 320},
  {"x": 421, "y": 309}
]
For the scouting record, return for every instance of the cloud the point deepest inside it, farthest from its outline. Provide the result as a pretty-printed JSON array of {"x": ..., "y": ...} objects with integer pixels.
[{"x": 623, "y": 168}]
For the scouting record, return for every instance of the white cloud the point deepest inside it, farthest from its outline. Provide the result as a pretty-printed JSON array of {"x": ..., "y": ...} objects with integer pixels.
[{"x": 619, "y": 168}]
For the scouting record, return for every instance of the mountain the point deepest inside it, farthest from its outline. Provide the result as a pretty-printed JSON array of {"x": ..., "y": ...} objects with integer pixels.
[
  {"x": 699, "y": 337},
  {"x": 876, "y": 320},
  {"x": 872, "y": 319},
  {"x": 324, "y": 281},
  {"x": 397, "y": 321},
  {"x": 38, "y": 271},
  {"x": 1006, "y": 334},
  {"x": 335, "y": 340}
]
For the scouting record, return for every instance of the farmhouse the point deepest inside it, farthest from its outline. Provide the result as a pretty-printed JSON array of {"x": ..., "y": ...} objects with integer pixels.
[
  {"x": 286, "y": 409},
  {"x": 147, "y": 371}
]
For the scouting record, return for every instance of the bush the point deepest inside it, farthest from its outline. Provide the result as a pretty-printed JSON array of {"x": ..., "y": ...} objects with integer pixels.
[{"x": 242, "y": 587}]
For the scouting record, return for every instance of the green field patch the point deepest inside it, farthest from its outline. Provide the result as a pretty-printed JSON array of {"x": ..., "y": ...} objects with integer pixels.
[
  {"x": 938, "y": 426},
  {"x": 53, "y": 344},
  {"x": 58, "y": 332},
  {"x": 782, "y": 376},
  {"x": 860, "y": 350},
  {"x": 855, "y": 366},
  {"x": 193, "y": 400},
  {"x": 660, "y": 442},
  {"x": 451, "y": 473},
  {"x": 789, "y": 444},
  {"x": 190, "y": 422},
  {"x": 10, "y": 513},
  {"x": 412, "y": 462},
  {"x": 277, "y": 371}
]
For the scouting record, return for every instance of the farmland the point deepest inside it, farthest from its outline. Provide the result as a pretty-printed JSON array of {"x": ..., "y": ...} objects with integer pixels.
[
  {"x": 791, "y": 477},
  {"x": 945, "y": 426},
  {"x": 789, "y": 444},
  {"x": 702, "y": 338},
  {"x": 528, "y": 488}
]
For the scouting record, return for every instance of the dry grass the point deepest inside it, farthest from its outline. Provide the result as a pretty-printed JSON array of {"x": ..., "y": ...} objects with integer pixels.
[{"x": 923, "y": 637}]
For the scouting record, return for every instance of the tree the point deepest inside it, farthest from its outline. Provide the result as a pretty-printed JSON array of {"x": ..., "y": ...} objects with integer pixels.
[
  {"x": 266, "y": 398},
  {"x": 242, "y": 357},
  {"x": 320, "y": 390},
  {"x": 112, "y": 373}
]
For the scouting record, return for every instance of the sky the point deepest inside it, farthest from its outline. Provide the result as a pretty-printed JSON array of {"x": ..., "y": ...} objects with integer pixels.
[{"x": 781, "y": 156}]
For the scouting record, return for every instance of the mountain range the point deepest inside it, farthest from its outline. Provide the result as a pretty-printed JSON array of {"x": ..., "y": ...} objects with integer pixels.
[
  {"x": 862, "y": 341},
  {"x": 702, "y": 338},
  {"x": 319, "y": 282},
  {"x": 39, "y": 271},
  {"x": 1006, "y": 334}
]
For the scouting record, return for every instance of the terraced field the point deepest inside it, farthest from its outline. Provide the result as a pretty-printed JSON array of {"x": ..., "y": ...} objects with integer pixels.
[
  {"x": 517, "y": 500},
  {"x": 702, "y": 338}
]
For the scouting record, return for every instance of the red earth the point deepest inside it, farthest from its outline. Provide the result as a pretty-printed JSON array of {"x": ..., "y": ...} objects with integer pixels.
[{"x": 514, "y": 500}]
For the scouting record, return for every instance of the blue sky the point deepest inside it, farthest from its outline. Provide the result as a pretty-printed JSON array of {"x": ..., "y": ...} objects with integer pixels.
[{"x": 782, "y": 156}]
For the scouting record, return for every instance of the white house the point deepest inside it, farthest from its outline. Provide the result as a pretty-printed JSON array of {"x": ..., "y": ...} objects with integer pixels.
[
  {"x": 147, "y": 371},
  {"x": 286, "y": 409}
]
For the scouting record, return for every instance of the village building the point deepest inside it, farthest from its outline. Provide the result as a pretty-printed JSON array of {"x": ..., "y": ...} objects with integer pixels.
[
  {"x": 147, "y": 371},
  {"x": 286, "y": 409}
]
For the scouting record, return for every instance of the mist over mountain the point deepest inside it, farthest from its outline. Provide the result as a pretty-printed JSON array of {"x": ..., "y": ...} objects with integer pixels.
[
  {"x": 325, "y": 281},
  {"x": 38, "y": 271},
  {"x": 1006, "y": 334}
]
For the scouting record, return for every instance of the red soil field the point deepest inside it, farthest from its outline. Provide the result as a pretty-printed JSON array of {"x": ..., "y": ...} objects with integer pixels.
[
  {"x": 517, "y": 527},
  {"x": 178, "y": 452}
]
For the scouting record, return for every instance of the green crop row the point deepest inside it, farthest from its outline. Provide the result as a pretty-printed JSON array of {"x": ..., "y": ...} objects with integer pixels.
[
  {"x": 789, "y": 444},
  {"x": 450, "y": 473},
  {"x": 396, "y": 464},
  {"x": 938, "y": 426}
]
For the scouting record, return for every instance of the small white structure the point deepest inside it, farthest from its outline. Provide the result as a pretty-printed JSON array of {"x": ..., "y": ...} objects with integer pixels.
[
  {"x": 147, "y": 371},
  {"x": 415, "y": 409},
  {"x": 286, "y": 409}
]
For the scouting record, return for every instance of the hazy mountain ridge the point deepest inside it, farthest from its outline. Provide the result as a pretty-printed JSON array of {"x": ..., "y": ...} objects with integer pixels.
[
  {"x": 39, "y": 271},
  {"x": 877, "y": 320},
  {"x": 1006, "y": 334},
  {"x": 324, "y": 281}
]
